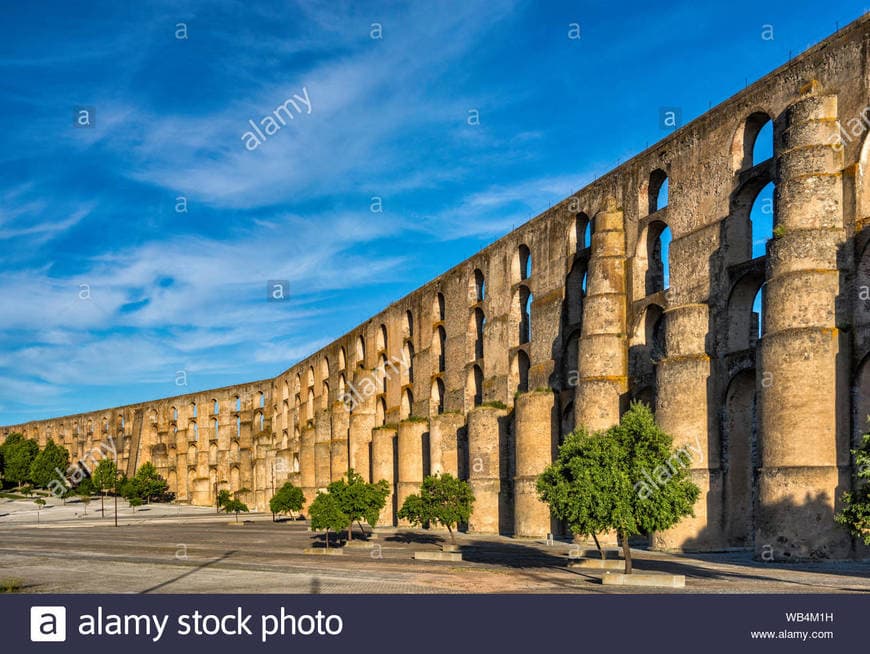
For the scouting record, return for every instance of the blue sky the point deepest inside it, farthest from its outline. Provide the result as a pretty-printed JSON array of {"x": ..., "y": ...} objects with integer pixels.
[{"x": 106, "y": 291}]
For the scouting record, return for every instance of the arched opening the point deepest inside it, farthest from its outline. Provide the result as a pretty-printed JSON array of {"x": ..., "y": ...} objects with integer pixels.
[
  {"x": 525, "y": 301},
  {"x": 381, "y": 339},
  {"x": 360, "y": 351},
  {"x": 195, "y": 432},
  {"x": 263, "y": 395},
  {"x": 437, "y": 396},
  {"x": 381, "y": 374},
  {"x": 381, "y": 412},
  {"x": 216, "y": 407},
  {"x": 761, "y": 217},
  {"x": 478, "y": 321},
  {"x": 653, "y": 257},
  {"x": 475, "y": 385},
  {"x": 407, "y": 404},
  {"x": 646, "y": 350},
  {"x": 408, "y": 325},
  {"x": 238, "y": 403},
  {"x": 745, "y": 313},
  {"x": 238, "y": 427},
  {"x": 214, "y": 429},
  {"x": 575, "y": 291},
  {"x": 342, "y": 385},
  {"x": 566, "y": 425},
  {"x": 580, "y": 234},
  {"x": 407, "y": 363},
  {"x": 751, "y": 219},
  {"x": 309, "y": 405},
  {"x": 438, "y": 308},
  {"x": 324, "y": 395},
  {"x": 342, "y": 359},
  {"x": 739, "y": 457},
  {"x": 522, "y": 366},
  {"x": 753, "y": 142},
  {"x": 658, "y": 190},
  {"x": 570, "y": 360},
  {"x": 174, "y": 413},
  {"x": 439, "y": 339},
  {"x": 193, "y": 409},
  {"x": 476, "y": 288},
  {"x": 523, "y": 263}
]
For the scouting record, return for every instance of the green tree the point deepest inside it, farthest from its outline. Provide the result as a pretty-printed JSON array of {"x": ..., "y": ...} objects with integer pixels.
[
  {"x": 326, "y": 513},
  {"x": 223, "y": 497},
  {"x": 601, "y": 482},
  {"x": 288, "y": 499},
  {"x": 104, "y": 478},
  {"x": 236, "y": 506},
  {"x": 18, "y": 455},
  {"x": 443, "y": 499},
  {"x": 146, "y": 484},
  {"x": 855, "y": 515},
  {"x": 48, "y": 468},
  {"x": 358, "y": 499}
]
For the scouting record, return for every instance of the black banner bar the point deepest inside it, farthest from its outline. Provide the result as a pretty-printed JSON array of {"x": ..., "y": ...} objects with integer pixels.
[{"x": 433, "y": 623}]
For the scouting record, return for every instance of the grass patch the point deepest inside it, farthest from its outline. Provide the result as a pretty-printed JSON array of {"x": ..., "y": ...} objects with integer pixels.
[
  {"x": 13, "y": 496},
  {"x": 495, "y": 404},
  {"x": 11, "y": 585}
]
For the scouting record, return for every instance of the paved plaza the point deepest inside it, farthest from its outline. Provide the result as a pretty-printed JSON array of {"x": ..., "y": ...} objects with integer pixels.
[{"x": 182, "y": 549}]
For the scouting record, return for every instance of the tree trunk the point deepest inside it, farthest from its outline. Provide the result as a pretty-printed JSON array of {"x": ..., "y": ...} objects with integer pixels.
[
  {"x": 102, "y": 505},
  {"x": 327, "y": 539},
  {"x": 626, "y": 551},
  {"x": 598, "y": 545},
  {"x": 361, "y": 527},
  {"x": 452, "y": 537},
  {"x": 350, "y": 531}
]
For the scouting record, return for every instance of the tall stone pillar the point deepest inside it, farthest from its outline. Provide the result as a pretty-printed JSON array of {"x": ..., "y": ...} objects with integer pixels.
[
  {"x": 682, "y": 410},
  {"x": 445, "y": 430},
  {"x": 322, "y": 446},
  {"x": 410, "y": 447},
  {"x": 338, "y": 456},
  {"x": 362, "y": 421},
  {"x": 804, "y": 358},
  {"x": 488, "y": 433},
  {"x": 603, "y": 358},
  {"x": 307, "y": 475},
  {"x": 536, "y": 428},
  {"x": 383, "y": 461}
]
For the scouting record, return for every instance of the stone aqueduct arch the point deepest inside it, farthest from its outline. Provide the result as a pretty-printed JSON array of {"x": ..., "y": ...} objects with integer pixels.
[{"x": 567, "y": 319}]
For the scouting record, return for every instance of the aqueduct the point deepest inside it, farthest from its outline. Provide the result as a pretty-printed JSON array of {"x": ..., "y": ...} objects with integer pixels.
[{"x": 745, "y": 327}]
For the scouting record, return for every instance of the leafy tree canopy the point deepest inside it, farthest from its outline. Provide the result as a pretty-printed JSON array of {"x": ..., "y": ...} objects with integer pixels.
[
  {"x": 104, "y": 475},
  {"x": 326, "y": 513},
  {"x": 855, "y": 515},
  {"x": 627, "y": 479},
  {"x": 288, "y": 499},
  {"x": 146, "y": 485},
  {"x": 443, "y": 499},
  {"x": 49, "y": 465},
  {"x": 18, "y": 455},
  {"x": 358, "y": 499}
]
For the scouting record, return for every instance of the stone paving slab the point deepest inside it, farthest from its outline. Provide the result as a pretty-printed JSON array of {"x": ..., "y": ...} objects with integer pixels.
[{"x": 201, "y": 555}]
